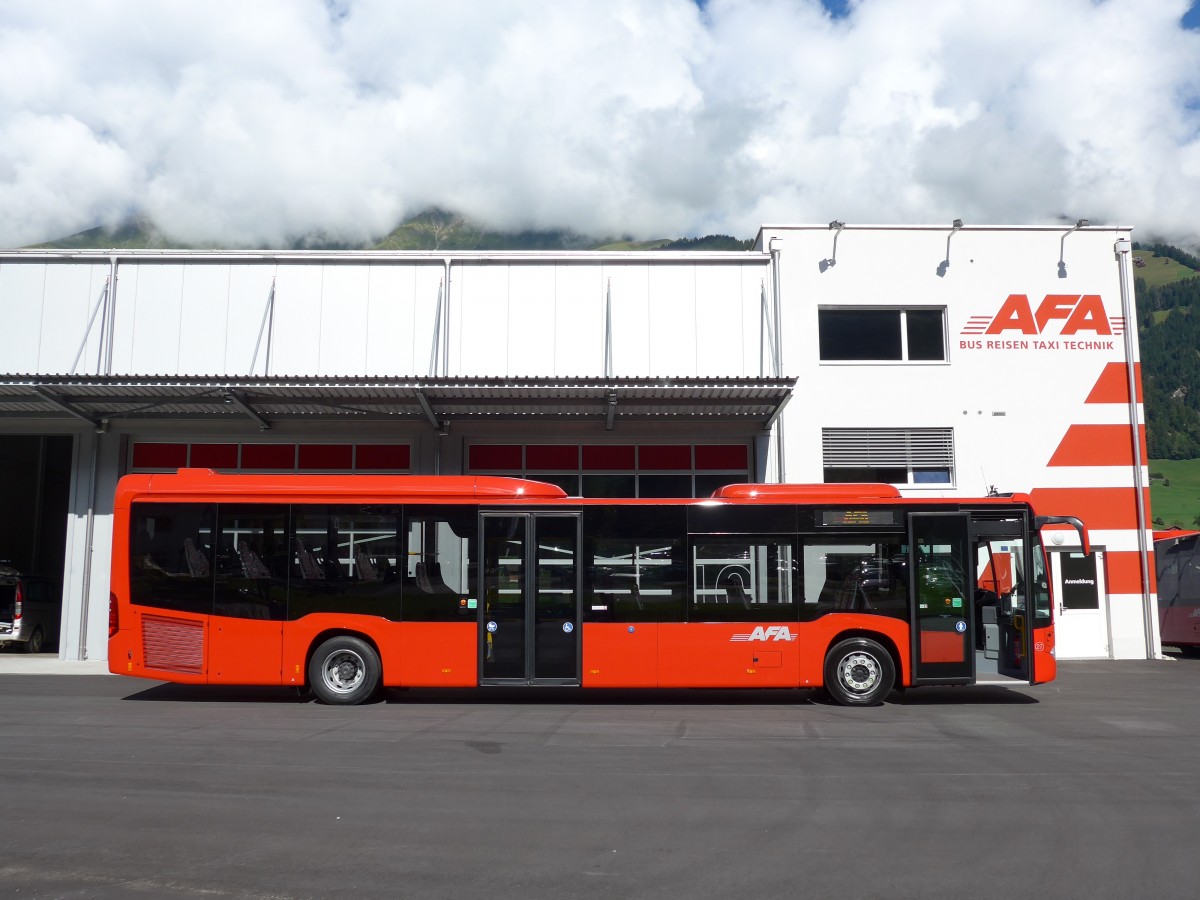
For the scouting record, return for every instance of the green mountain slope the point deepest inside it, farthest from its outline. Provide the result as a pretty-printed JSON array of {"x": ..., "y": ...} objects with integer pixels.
[
  {"x": 1167, "y": 288},
  {"x": 437, "y": 229},
  {"x": 134, "y": 234},
  {"x": 433, "y": 229}
]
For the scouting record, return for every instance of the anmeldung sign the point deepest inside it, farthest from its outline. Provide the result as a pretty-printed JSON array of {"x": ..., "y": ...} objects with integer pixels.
[{"x": 1079, "y": 581}]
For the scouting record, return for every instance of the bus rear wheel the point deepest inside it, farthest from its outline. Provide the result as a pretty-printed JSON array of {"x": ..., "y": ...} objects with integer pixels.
[
  {"x": 344, "y": 670},
  {"x": 859, "y": 672}
]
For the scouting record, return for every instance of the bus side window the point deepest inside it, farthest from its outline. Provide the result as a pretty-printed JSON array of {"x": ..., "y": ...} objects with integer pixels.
[
  {"x": 634, "y": 572},
  {"x": 256, "y": 586},
  {"x": 635, "y": 581},
  {"x": 438, "y": 563},
  {"x": 339, "y": 560},
  {"x": 740, "y": 579},
  {"x": 854, "y": 574},
  {"x": 170, "y": 553}
]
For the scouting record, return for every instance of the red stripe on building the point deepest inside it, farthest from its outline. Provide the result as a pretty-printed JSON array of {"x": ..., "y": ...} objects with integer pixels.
[
  {"x": 1099, "y": 508},
  {"x": 1123, "y": 571},
  {"x": 1113, "y": 384},
  {"x": 1097, "y": 445}
]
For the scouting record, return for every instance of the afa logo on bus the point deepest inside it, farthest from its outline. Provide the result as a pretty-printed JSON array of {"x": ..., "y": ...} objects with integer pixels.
[
  {"x": 1057, "y": 315},
  {"x": 769, "y": 633}
]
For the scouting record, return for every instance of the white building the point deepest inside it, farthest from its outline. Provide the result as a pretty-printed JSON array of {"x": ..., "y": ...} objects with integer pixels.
[{"x": 947, "y": 360}]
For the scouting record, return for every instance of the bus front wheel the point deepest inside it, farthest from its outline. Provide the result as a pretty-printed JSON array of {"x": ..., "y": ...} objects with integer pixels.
[
  {"x": 344, "y": 670},
  {"x": 859, "y": 672}
]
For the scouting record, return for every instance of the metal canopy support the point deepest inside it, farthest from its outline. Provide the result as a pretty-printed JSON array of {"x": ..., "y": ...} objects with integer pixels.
[
  {"x": 268, "y": 325},
  {"x": 770, "y": 422},
  {"x": 64, "y": 404},
  {"x": 428, "y": 410},
  {"x": 612, "y": 411},
  {"x": 110, "y": 313},
  {"x": 100, "y": 301},
  {"x": 236, "y": 399},
  {"x": 767, "y": 345},
  {"x": 435, "y": 350}
]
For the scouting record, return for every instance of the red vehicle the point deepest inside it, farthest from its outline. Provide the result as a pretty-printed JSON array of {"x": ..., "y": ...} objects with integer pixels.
[
  {"x": 349, "y": 584},
  {"x": 1177, "y": 564}
]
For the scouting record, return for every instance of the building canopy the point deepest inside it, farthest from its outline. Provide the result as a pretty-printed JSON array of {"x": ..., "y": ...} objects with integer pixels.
[{"x": 101, "y": 400}]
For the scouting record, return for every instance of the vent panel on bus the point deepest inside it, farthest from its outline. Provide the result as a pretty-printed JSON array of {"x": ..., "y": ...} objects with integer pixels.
[{"x": 176, "y": 645}]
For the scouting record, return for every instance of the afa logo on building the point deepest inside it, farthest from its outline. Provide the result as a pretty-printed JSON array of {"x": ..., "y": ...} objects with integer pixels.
[{"x": 1060, "y": 322}]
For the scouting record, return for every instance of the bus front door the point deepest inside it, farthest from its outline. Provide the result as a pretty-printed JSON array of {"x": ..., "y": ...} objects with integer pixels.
[
  {"x": 529, "y": 624},
  {"x": 1002, "y": 614}
]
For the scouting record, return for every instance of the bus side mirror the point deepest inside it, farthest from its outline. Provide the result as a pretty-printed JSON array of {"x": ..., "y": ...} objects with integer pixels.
[{"x": 1040, "y": 522}]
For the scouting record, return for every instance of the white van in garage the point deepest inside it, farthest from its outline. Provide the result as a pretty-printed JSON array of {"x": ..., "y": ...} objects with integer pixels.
[{"x": 30, "y": 610}]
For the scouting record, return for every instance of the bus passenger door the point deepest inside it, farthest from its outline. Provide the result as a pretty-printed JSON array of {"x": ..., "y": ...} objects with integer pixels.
[
  {"x": 529, "y": 624},
  {"x": 942, "y": 624},
  {"x": 1002, "y": 613}
]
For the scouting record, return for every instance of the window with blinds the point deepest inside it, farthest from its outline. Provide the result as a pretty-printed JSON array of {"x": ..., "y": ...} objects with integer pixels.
[{"x": 901, "y": 456}]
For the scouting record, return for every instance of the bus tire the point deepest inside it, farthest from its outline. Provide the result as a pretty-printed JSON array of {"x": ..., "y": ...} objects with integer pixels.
[
  {"x": 859, "y": 672},
  {"x": 344, "y": 670}
]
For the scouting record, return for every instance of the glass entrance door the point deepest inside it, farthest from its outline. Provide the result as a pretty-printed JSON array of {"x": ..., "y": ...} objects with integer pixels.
[
  {"x": 943, "y": 618},
  {"x": 529, "y": 623}
]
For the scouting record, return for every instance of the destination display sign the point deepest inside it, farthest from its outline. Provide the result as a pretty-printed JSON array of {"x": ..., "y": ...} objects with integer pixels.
[{"x": 876, "y": 516}]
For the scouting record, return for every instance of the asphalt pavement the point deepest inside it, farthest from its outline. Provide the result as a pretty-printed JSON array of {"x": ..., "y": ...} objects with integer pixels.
[{"x": 1084, "y": 788}]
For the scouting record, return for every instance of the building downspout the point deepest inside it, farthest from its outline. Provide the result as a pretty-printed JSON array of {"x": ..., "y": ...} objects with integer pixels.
[
  {"x": 1149, "y": 614},
  {"x": 780, "y": 469}
]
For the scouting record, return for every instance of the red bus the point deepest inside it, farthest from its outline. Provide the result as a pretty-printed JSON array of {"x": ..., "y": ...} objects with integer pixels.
[
  {"x": 1177, "y": 564},
  {"x": 345, "y": 585}
]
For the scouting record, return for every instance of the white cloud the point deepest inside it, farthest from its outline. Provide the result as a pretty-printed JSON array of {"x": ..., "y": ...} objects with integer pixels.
[{"x": 253, "y": 122}]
